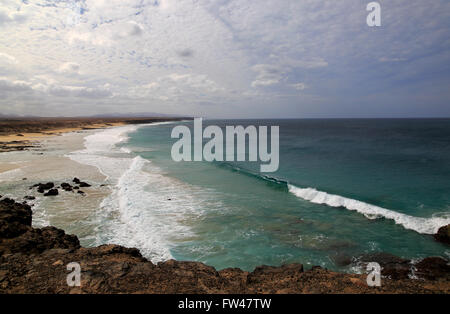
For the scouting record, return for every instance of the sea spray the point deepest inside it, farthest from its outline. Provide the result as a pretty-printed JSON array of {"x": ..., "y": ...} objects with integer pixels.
[
  {"x": 145, "y": 209},
  {"x": 418, "y": 224}
]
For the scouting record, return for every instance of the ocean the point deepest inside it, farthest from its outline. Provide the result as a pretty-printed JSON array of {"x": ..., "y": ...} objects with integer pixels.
[{"x": 343, "y": 188}]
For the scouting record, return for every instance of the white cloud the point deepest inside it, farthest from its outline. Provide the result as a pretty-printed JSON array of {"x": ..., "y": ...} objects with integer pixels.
[
  {"x": 132, "y": 29},
  {"x": 267, "y": 75},
  {"x": 386, "y": 59},
  {"x": 79, "y": 91},
  {"x": 105, "y": 35},
  {"x": 12, "y": 17},
  {"x": 4, "y": 57},
  {"x": 167, "y": 5},
  {"x": 11, "y": 85},
  {"x": 151, "y": 85},
  {"x": 69, "y": 68},
  {"x": 200, "y": 81},
  {"x": 309, "y": 64},
  {"x": 299, "y": 86},
  {"x": 49, "y": 87},
  {"x": 138, "y": 54}
]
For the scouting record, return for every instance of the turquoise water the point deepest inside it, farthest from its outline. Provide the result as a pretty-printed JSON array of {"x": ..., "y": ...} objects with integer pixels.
[{"x": 397, "y": 169}]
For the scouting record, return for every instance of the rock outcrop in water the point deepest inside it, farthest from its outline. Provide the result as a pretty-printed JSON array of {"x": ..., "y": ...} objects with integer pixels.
[
  {"x": 49, "y": 189},
  {"x": 51, "y": 192},
  {"x": 443, "y": 234},
  {"x": 34, "y": 261}
]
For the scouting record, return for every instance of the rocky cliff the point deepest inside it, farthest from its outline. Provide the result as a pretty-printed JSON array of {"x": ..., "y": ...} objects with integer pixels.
[{"x": 35, "y": 261}]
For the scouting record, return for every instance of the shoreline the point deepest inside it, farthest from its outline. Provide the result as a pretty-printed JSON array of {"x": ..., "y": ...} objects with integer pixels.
[
  {"x": 20, "y": 169},
  {"x": 34, "y": 261},
  {"x": 48, "y": 254},
  {"x": 12, "y": 141},
  {"x": 24, "y": 134}
]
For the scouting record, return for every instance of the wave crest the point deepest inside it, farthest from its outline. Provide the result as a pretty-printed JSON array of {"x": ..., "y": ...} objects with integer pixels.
[{"x": 418, "y": 224}]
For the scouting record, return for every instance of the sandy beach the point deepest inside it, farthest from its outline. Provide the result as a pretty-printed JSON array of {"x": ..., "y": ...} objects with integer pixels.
[
  {"x": 22, "y": 134},
  {"x": 46, "y": 162},
  {"x": 42, "y": 156},
  {"x": 33, "y": 136}
]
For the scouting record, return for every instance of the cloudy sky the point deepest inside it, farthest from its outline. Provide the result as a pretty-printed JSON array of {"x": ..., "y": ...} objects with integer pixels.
[{"x": 225, "y": 58}]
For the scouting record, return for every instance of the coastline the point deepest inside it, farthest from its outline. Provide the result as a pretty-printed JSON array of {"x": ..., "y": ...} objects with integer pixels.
[
  {"x": 52, "y": 160},
  {"x": 22, "y": 134},
  {"x": 34, "y": 261},
  {"x": 45, "y": 252}
]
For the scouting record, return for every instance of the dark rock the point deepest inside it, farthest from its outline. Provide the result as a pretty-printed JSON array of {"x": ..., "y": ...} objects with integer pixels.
[
  {"x": 51, "y": 192},
  {"x": 35, "y": 261},
  {"x": 80, "y": 192},
  {"x": 270, "y": 273},
  {"x": 342, "y": 259},
  {"x": 35, "y": 241},
  {"x": 66, "y": 187},
  {"x": 76, "y": 187},
  {"x": 15, "y": 218},
  {"x": 391, "y": 266},
  {"x": 109, "y": 249},
  {"x": 443, "y": 234},
  {"x": 84, "y": 185},
  {"x": 432, "y": 268},
  {"x": 29, "y": 197},
  {"x": 42, "y": 187},
  {"x": 76, "y": 180},
  {"x": 47, "y": 186}
]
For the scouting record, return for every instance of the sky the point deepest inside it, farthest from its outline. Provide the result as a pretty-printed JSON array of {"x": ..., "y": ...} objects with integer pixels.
[{"x": 225, "y": 58}]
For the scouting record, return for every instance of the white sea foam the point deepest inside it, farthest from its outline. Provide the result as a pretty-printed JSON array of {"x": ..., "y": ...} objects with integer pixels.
[
  {"x": 40, "y": 215},
  {"x": 151, "y": 210},
  {"x": 11, "y": 175},
  {"x": 101, "y": 151},
  {"x": 134, "y": 227},
  {"x": 145, "y": 209},
  {"x": 418, "y": 224}
]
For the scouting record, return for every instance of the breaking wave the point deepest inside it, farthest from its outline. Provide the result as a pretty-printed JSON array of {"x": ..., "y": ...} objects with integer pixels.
[{"x": 418, "y": 224}]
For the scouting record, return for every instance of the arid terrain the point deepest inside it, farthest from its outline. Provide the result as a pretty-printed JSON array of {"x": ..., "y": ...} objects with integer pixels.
[{"x": 21, "y": 134}]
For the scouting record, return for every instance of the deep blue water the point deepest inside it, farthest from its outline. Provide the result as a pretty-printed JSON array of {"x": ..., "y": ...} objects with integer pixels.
[{"x": 328, "y": 200}]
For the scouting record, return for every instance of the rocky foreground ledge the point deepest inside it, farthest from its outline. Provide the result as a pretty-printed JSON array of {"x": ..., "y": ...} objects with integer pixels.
[{"x": 34, "y": 261}]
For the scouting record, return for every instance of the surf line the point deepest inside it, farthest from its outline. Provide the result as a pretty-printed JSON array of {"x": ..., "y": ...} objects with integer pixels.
[{"x": 213, "y": 150}]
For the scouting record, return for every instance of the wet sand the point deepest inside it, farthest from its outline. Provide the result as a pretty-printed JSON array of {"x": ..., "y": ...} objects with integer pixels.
[
  {"x": 4, "y": 167},
  {"x": 47, "y": 161},
  {"x": 19, "y": 170}
]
